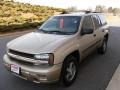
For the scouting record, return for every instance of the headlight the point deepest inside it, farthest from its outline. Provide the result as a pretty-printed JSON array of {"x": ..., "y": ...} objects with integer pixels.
[{"x": 44, "y": 59}]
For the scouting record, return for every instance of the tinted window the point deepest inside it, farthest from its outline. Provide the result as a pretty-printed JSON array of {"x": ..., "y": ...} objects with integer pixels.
[
  {"x": 97, "y": 22},
  {"x": 67, "y": 24},
  {"x": 87, "y": 23}
]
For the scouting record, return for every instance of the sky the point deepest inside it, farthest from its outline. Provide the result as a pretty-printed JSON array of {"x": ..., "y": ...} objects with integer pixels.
[{"x": 79, "y": 4}]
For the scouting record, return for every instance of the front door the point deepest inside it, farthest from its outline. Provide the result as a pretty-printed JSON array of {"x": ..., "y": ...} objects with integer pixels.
[{"x": 87, "y": 41}]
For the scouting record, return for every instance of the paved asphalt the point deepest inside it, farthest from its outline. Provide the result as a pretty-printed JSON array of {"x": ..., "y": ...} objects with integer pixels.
[{"x": 94, "y": 74}]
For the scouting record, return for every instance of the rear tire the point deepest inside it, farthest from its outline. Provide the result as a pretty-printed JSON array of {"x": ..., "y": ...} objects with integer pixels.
[
  {"x": 69, "y": 70},
  {"x": 103, "y": 48}
]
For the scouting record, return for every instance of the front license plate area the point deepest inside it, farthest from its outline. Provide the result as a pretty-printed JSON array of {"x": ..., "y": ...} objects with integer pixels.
[{"x": 15, "y": 69}]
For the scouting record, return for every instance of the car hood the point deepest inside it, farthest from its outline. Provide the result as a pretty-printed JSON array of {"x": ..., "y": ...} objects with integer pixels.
[{"x": 35, "y": 43}]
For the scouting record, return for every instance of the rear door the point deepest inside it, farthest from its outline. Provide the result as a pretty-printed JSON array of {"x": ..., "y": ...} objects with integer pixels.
[{"x": 98, "y": 29}]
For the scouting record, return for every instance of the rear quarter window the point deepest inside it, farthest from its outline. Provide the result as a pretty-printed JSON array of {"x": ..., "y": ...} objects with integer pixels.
[{"x": 102, "y": 19}]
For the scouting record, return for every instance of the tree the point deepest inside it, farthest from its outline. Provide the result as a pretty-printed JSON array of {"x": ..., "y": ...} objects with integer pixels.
[
  {"x": 100, "y": 8},
  {"x": 115, "y": 11},
  {"x": 110, "y": 10},
  {"x": 71, "y": 9}
]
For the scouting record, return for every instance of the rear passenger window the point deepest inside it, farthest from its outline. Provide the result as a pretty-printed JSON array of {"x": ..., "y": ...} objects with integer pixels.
[{"x": 97, "y": 22}]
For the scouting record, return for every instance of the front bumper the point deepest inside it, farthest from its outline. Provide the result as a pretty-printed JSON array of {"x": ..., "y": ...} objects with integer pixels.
[{"x": 37, "y": 74}]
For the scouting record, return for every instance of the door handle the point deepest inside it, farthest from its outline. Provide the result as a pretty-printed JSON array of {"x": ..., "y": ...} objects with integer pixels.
[{"x": 94, "y": 35}]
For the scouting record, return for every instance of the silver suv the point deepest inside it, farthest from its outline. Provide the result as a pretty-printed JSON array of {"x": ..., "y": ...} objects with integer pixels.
[{"x": 53, "y": 52}]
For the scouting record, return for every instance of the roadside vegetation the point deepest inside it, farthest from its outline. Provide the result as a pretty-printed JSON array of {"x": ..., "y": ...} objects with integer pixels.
[{"x": 15, "y": 15}]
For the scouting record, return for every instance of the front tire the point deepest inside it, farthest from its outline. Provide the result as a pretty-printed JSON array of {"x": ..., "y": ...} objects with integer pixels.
[{"x": 69, "y": 70}]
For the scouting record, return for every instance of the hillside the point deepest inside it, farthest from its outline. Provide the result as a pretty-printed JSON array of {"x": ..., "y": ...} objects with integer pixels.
[{"x": 14, "y": 15}]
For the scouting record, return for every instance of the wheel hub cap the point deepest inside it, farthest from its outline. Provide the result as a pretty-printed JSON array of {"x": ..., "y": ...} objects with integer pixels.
[{"x": 71, "y": 70}]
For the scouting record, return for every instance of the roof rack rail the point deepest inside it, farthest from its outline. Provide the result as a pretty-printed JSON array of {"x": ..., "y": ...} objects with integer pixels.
[
  {"x": 67, "y": 12},
  {"x": 64, "y": 12},
  {"x": 96, "y": 12},
  {"x": 85, "y": 11}
]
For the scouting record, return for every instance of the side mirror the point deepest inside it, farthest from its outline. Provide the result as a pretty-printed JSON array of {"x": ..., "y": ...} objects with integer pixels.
[{"x": 86, "y": 31}]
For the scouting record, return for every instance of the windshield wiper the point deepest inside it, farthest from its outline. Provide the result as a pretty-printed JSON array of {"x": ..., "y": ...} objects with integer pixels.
[
  {"x": 60, "y": 32},
  {"x": 54, "y": 31},
  {"x": 42, "y": 30}
]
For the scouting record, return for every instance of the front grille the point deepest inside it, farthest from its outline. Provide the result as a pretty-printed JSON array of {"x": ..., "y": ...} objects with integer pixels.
[
  {"x": 21, "y": 54},
  {"x": 20, "y": 61}
]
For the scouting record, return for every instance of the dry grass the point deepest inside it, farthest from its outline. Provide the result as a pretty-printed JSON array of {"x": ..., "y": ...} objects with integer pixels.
[{"x": 28, "y": 15}]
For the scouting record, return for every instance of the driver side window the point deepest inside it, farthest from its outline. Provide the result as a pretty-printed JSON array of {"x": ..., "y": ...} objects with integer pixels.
[{"x": 87, "y": 25}]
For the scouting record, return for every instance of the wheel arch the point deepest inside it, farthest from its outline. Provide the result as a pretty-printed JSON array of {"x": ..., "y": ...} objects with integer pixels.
[{"x": 75, "y": 53}]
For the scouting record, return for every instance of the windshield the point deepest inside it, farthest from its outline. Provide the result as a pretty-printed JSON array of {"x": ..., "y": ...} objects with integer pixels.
[{"x": 61, "y": 25}]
